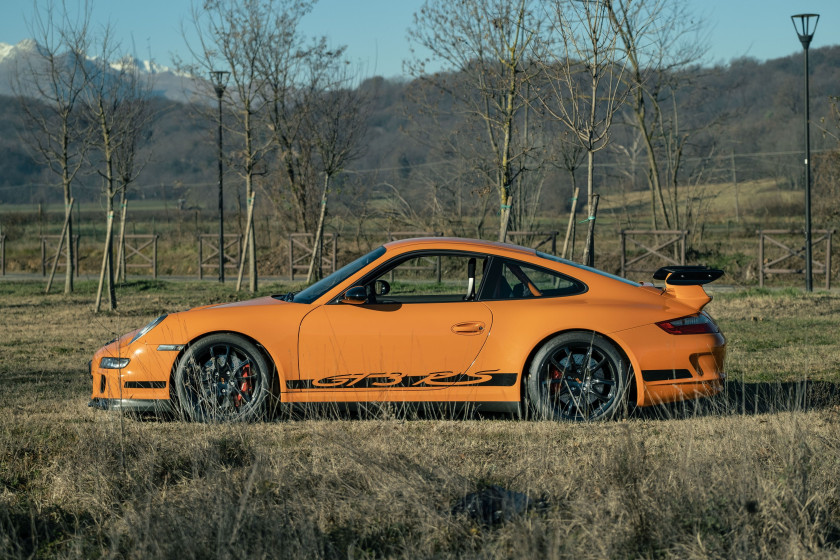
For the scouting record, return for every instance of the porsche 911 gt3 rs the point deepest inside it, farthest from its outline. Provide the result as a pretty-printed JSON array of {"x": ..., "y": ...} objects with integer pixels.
[{"x": 437, "y": 320}]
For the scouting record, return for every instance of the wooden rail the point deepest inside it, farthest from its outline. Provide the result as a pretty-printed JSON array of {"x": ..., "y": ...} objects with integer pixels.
[
  {"x": 432, "y": 264},
  {"x": 135, "y": 245},
  {"x": 535, "y": 239},
  {"x": 662, "y": 239},
  {"x": 232, "y": 249},
  {"x": 48, "y": 248},
  {"x": 788, "y": 252},
  {"x": 301, "y": 247}
]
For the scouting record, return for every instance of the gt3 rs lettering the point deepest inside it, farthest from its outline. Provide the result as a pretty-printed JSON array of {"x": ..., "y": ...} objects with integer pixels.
[{"x": 406, "y": 381}]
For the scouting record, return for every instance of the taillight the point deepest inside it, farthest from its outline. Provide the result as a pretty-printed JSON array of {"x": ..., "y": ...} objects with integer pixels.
[{"x": 695, "y": 324}]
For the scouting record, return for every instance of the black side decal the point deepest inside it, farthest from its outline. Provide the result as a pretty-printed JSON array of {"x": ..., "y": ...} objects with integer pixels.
[{"x": 400, "y": 380}]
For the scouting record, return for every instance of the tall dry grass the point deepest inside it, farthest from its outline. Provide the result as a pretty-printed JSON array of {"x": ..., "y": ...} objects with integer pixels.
[{"x": 752, "y": 474}]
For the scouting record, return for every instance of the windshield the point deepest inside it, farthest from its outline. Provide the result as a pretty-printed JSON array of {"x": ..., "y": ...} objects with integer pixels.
[
  {"x": 587, "y": 268},
  {"x": 324, "y": 285}
]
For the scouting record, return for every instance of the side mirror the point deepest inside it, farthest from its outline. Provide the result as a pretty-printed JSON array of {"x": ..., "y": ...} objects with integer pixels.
[
  {"x": 357, "y": 295},
  {"x": 382, "y": 288}
]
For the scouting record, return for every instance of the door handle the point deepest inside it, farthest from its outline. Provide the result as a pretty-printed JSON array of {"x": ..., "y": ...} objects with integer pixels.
[{"x": 469, "y": 327}]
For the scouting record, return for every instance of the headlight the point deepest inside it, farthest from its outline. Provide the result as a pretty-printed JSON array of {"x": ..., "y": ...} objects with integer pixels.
[
  {"x": 148, "y": 327},
  {"x": 113, "y": 363}
]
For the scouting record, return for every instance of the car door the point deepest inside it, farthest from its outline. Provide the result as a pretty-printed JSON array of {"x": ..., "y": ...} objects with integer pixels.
[{"x": 420, "y": 331}]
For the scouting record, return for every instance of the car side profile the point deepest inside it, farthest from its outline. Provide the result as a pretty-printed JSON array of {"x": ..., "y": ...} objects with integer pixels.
[{"x": 430, "y": 320}]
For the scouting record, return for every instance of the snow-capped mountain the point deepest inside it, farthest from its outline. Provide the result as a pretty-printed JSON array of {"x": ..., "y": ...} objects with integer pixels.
[{"x": 166, "y": 81}]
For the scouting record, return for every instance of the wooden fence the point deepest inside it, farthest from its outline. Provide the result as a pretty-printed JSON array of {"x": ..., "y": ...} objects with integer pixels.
[
  {"x": 654, "y": 247},
  {"x": 136, "y": 248},
  {"x": 791, "y": 255},
  {"x": 48, "y": 248},
  {"x": 232, "y": 252},
  {"x": 301, "y": 248},
  {"x": 539, "y": 240}
]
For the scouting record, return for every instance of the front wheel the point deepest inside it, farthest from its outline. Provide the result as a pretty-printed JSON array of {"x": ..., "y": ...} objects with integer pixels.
[
  {"x": 221, "y": 378},
  {"x": 577, "y": 376}
]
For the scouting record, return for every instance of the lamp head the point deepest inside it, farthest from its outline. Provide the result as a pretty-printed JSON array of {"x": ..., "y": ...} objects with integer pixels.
[
  {"x": 805, "y": 25},
  {"x": 220, "y": 80}
]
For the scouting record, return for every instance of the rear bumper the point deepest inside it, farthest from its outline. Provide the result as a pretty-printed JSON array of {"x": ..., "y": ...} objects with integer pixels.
[{"x": 133, "y": 405}]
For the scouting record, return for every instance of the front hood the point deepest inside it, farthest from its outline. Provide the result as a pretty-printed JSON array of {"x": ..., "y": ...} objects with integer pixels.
[{"x": 262, "y": 301}]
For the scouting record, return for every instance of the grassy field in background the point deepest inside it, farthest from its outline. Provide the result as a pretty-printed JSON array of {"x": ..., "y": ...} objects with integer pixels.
[{"x": 749, "y": 474}]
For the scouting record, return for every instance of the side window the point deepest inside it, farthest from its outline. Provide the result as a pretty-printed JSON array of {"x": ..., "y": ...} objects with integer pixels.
[
  {"x": 429, "y": 278},
  {"x": 517, "y": 280}
]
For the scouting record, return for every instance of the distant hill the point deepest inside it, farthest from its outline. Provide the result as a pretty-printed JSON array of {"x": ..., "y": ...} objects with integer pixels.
[{"x": 754, "y": 109}]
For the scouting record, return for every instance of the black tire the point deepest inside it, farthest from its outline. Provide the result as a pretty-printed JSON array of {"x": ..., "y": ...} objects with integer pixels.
[
  {"x": 222, "y": 378},
  {"x": 577, "y": 376}
]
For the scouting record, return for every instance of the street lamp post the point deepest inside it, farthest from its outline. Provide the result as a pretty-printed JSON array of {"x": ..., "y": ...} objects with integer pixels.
[
  {"x": 805, "y": 31},
  {"x": 220, "y": 78}
]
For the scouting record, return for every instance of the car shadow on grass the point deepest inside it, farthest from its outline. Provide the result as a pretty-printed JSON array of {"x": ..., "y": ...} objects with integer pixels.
[{"x": 738, "y": 398}]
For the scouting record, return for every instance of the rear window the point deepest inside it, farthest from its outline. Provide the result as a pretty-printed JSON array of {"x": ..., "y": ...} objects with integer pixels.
[{"x": 586, "y": 268}]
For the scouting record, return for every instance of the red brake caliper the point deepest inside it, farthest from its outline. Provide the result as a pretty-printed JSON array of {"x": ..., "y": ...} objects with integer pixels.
[
  {"x": 555, "y": 374},
  {"x": 245, "y": 387}
]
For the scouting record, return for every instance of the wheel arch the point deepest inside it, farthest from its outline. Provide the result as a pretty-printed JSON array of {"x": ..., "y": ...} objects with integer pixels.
[
  {"x": 635, "y": 386},
  {"x": 276, "y": 379}
]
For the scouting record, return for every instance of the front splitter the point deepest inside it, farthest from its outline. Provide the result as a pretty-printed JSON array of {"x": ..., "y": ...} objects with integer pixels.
[{"x": 133, "y": 405}]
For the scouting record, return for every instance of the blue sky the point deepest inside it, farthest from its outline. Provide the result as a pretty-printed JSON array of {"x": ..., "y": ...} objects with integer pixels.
[{"x": 375, "y": 30}]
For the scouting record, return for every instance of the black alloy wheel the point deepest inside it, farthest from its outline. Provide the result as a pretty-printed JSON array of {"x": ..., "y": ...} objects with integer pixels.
[
  {"x": 222, "y": 378},
  {"x": 577, "y": 376}
]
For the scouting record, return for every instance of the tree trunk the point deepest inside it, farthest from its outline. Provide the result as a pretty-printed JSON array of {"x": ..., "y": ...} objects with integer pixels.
[
  {"x": 570, "y": 227},
  {"x": 589, "y": 252},
  {"x": 106, "y": 266},
  {"x": 67, "y": 218},
  {"x": 248, "y": 237},
  {"x": 589, "y": 249},
  {"x": 121, "y": 256},
  {"x": 317, "y": 249},
  {"x": 68, "y": 198}
]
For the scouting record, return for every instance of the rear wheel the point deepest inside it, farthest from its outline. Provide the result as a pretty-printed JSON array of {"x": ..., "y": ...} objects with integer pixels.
[
  {"x": 222, "y": 378},
  {"x": 577, "y": 376}
]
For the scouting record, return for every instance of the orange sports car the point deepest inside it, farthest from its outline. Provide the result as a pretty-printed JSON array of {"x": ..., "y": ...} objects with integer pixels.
[{"x": 430, "y": 320}]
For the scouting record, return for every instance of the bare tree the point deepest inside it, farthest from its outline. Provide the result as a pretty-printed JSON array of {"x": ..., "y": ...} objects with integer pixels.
[
  {"x": 48, "y": 83},
  {"x": 661, "y": 39},
  {"x": 116, "y": 103},
  {"x": 232, "y": 35},
  {"x": 133, "y": 126},
  {"x": 486, "y": 43},
  {"x": 292, "y": 69},
  {"x": 337, "y": 121},
  {"x": 581, "y": 73}
]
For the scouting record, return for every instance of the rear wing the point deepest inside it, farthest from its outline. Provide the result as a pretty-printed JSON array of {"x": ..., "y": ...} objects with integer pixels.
[
  {"x": 687, "y": 275},
  {"x": 685, "y": 283}
]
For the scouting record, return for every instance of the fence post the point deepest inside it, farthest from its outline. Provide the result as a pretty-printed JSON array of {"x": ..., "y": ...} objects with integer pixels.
[
  {"x": 623, "y": 254},
  {"x": 43, "y": 256},
  {"x": 200, "y": 259},
  {"x": 76, "y": 254},
  {"x": 154, "y": 257},
  {"x": 828, "y": 261},
  {"x": 291, "y": 260},
  {"x": 760, "y": 259},
  {"x": 334, "y": 253}
]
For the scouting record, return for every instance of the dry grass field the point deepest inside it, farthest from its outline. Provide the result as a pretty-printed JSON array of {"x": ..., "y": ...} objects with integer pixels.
[{"x": 750, "y": 474}]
